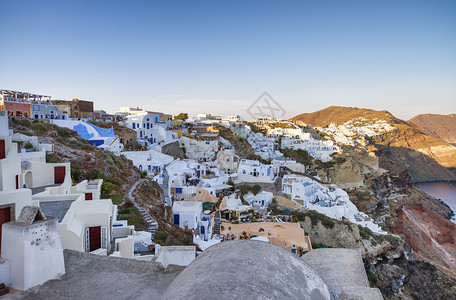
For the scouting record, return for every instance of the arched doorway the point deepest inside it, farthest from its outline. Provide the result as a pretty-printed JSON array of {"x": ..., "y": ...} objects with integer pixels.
[{"x": 29, "y": 179}]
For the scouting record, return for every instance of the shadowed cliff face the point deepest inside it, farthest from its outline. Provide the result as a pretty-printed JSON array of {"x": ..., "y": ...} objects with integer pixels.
[
  {"x": 421, "y": 167},
  {"x": 439, "y": 126}
]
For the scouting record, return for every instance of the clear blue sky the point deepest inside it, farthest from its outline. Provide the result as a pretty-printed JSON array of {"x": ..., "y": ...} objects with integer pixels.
[{"x": 219, "y": 56}]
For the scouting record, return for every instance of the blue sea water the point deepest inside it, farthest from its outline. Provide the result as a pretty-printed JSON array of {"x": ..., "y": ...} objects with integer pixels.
[{"x": 446, "y": 191}]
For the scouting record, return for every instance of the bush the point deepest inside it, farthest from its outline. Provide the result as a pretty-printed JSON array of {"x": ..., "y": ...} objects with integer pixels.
[
  {"x": 133, "y": 216},
  {"x": 160, "y": 237},
  {"x": 315, "y": 217},
  {"x": 51, "y": 158},
  {"x": 244, "y": 189},
  {"x": 256, "y": 189},
  {"x": 94, "y": 174},
  {"x": 117, "y": 199},
  {"x": 77, "y": 174},
  {"x": 22, "y": 122},
  {"x": 39, "y": 127},
  {"x": 28, "y": 145},
  {"x": 365, "y": 232},
  {"x": 106, "y": 189}
]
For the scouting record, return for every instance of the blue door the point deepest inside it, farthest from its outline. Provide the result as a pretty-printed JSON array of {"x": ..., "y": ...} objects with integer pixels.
[{"x": 176, "y": 219}]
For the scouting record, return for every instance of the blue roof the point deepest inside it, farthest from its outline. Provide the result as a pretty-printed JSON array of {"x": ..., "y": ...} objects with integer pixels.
[
  {"x": 104, "y": 132},
  {"x": 82, "y": 131}
]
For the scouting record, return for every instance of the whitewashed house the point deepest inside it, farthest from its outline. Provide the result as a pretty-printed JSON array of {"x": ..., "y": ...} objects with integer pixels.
[
  {"x": 199, "y": 150},
  {"x": 290, "y": 164},
  {"x": 262, "y": 199},
  {"x": 227, "y": 161},
  {"x": 253, "y": 170},
  {"x": 151, "y": 161},
  {"x": 300, "y": 189},
  {"x": 149, "y": 128},
  {"x": 86, "y": 226},
  {"x": 187, "y": 214}
]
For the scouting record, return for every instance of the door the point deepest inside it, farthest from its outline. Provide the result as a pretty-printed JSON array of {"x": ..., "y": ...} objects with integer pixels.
[
  {"x": 2, "y": 149},
  {"x": 88, "y": 196},
  {"x": 5, "y": 216},
  {"x": 95, "y": 238},
  {"x": 59, "y": 174}
]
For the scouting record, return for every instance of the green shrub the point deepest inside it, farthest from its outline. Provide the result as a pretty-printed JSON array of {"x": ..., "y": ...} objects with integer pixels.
[
  {"x": 160, "y": 237},
  {"x": 117, "y": 199},
  {"x": 77, "y": 174},
  {"x": 365, "y": 232},
  {"x": 244, "y": 189},
  {"x": 51, "y": 158},
  {"x": 315, "y": 217},
  {"x": 22, "y": 122},
  {"x": 39, "y": 127},
  {"x": 106, "y": 189},
  {"x": 28, "y": 145},
  {"x": 256, "y": 189}
]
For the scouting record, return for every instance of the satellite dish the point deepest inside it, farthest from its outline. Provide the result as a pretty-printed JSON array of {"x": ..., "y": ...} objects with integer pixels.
[{"x": 25, "y": 164}]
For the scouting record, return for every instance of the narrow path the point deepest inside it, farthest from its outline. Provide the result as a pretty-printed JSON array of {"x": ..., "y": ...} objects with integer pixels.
[
  {"x": 132, "y": 189},
  {"x": 151, "y": 223},
  {"x": 306, "y": 175}
]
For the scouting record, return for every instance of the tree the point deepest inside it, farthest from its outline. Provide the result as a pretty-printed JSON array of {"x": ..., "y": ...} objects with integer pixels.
[{"x": 181, "y": 116}]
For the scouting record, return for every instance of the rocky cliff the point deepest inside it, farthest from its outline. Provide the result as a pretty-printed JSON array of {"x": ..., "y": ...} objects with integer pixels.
[
  {"x": 439, "y": 126},
  {"x": 389, "y": 261}
]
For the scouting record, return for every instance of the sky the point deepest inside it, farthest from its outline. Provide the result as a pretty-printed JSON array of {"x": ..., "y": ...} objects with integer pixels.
[{"x": 219, "y": 57}]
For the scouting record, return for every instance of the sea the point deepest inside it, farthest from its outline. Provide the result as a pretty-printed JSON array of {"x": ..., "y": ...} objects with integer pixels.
[{"x": 446, "y": 191}]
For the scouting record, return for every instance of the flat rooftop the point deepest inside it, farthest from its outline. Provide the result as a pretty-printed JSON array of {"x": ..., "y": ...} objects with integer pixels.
[
  {"x": 90, "y": 276},
  {"x": 56, "y": 209}
]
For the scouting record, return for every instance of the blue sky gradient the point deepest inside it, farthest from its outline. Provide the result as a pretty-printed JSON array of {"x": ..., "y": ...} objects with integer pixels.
[{"x": 220, "y": 56}]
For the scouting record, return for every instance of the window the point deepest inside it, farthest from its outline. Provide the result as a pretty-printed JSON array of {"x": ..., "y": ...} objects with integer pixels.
[
  {"x": 133, "y": 125},
  {"x": 104, "y": 237}
]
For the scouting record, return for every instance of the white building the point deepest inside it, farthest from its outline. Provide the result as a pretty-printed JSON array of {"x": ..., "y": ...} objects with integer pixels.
[
  {"x": 228, "y": 162},
  {"x": 86, "y": 226},
  {"x": 199, "y": 150},
  {"x": 301, "y": 189},
  {"x": 187, "y": 214},
  {"x": 151, "y": 161},
  {"x": 253, "y": 170},
  {"x": 332, "y": 202},
  {"x": 321, "y": 150},
  {"x": 262, "y": 199},
  {"x": 290, "y": 164}
]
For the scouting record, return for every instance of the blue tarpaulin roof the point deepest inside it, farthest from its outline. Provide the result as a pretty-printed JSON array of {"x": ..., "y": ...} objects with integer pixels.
[
  {"x": 104, "y": 132},
  {"x": 82, "y": 131}
]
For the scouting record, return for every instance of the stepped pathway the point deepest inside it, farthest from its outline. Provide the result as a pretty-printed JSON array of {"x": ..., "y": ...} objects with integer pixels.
[
  {"x": 151, "y": 223},
  {"x": 306, "y": 175},
  {"x": 217, "y": 223}
]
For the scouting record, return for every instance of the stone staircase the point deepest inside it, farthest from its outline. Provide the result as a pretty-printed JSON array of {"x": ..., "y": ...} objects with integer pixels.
[
  {"x": 151, "y": 224},
  {"x": 217, "y": 223}
]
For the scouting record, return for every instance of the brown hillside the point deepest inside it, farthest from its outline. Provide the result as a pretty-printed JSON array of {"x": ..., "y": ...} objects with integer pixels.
[
  {"x": 340, "y": 114},
  {"x": 439, "y": 126}
]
